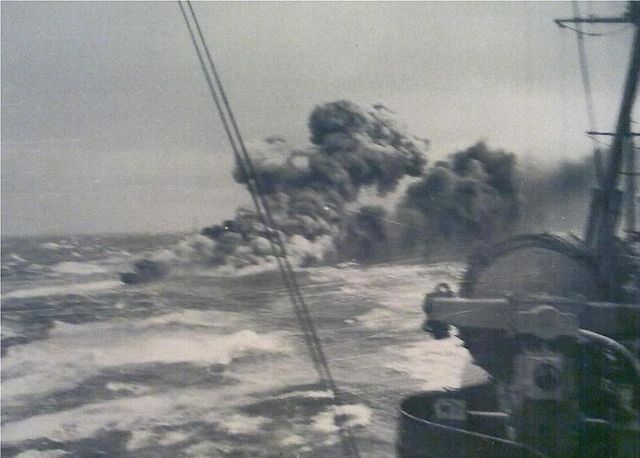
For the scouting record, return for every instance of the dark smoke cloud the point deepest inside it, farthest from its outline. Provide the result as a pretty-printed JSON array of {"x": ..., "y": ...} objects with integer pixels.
[
  {"x": 481, "y": 195},
  {"x": 366, "y": 236},
  {"x": 474, "y": 196},
  {"x": 310, "y": 191},
  {"x": 352, "y": 149}
]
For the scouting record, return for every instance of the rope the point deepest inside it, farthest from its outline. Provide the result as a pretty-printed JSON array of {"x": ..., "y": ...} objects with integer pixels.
[{"x": 263, "y": 210}]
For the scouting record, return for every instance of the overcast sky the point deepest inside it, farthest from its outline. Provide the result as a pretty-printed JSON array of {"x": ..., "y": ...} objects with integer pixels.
[{"x": 107, "y": 125}]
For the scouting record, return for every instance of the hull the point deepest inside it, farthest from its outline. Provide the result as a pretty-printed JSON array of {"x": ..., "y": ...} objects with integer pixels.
[{"x": 465, "y": 423}]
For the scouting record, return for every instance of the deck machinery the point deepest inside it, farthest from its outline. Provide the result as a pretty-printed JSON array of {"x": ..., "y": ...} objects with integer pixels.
[{"x": 555, "y": 322}]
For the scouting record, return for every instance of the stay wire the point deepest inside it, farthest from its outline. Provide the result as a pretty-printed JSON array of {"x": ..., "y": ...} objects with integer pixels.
[
  {"x": 262, "y": 208},
  {"x": 265, "y": 216},
  {"x": 242, "y": 168},
  {"x": 287, "y": 271},
  {"x": 234, "y": 147},
  {"x": 289, "y": 277},
  {"x": 584, "y": 70},
  {"x": 588, "y": 93}
]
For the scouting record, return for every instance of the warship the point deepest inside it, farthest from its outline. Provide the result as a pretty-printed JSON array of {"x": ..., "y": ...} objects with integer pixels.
[{"x": 554, "y": 320}]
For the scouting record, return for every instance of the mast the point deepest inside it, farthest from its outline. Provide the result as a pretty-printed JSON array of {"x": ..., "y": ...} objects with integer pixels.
[{"x": 607, "y": 201}]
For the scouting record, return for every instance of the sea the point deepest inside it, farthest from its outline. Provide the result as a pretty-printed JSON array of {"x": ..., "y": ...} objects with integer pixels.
[{"x": 207, "y": 362}]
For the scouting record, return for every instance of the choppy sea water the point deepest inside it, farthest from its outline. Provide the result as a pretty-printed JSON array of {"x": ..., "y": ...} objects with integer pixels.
[{"x": 205, "y": 363}]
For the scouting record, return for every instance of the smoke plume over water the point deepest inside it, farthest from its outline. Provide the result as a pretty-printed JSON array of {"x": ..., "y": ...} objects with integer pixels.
[
  {"x": 474, "y": 196},
  {"x": 477, "y": 196}
]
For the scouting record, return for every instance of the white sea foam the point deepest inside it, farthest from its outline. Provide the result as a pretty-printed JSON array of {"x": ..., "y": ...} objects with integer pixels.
[
  {"x": 188, "y": 317},
  {"x": 127, "y": 388},
  {"x": 236, "y": 423},
  {"x": 56, "y": 453},
  {"x": 436, "y": 363},
  {"x": 50, "y": 245},
  {"x": 56, "y": 246},
  {"x": 78, "y": 268},
  {"x": 75, "y": 352},
  {"x": 398, "y": 289},
  {"x": 144, "y": 438},
  {"x": 293, "y": 439},
  {"x": 86, "y": 421},
  {"x": 144, "y": 415},
  {"x": 10, "y": 330},
  {"x": 140, "y": 415},
  {"x": 140, "y": 438},
  {"x": 265, "y": 265},
  {"x": 17, "y": 258},
  {"x": 382, "y": 317},
  {"x": 172, "y": 438},
  {"x": 351, "y": 416},
  {"x": 64, "y": 290},
  {"x": 317, "y": 394},
  {"x": 208, "y": 448}
]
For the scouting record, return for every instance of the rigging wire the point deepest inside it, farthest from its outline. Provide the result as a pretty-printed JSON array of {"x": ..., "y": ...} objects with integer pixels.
[
  {"x": 263, "y": 210},
  {"x": 584, "y": 69},
  {"x": 261, "y": 205},
  {"x": 588, "y": 93},
  {"x": 596, "y": 34}
]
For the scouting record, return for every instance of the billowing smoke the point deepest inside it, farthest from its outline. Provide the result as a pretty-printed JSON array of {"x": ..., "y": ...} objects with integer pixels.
[
  {"x": 474, "y": 196},
  {"x": 481, "y": 195},
  {"x": 557, "y": 198},
  {"x": 366, "y": 236},
  {"x": 352, "y": 149},
  {"x": 310, "y": 191}
]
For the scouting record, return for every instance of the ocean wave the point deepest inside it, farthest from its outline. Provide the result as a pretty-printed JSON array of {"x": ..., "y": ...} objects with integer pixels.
[
  {"x": 56, "y": 453},
  {"x": 88, "y": 420},
  {"x": 436, "y": 363},
  {"x": 236, "y": 423},
  {"x": 56, "y": 246},
  {"x": 10, "y": 330},
  {"x": 127, "y": 388},
  {"x": 144, "y": 438},
  {"x": 63, "y": 290},
  {"x": 78, "y": 268},
  {"x": 189, "y": 317},
  {"x": 293, "y": 439},
  {"x": 399, "y": 289},
  {"x": 225, "y": 271},
  {"x": 312, "y": 394},
  {"x": 73, "y": 353},
  {"x": 350, "y": 416},
  {"x": 15, "y": 258},
  {"x": 146, "y": 417}
]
